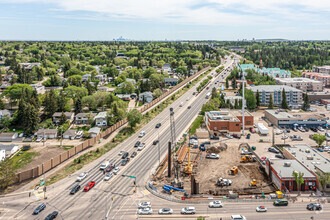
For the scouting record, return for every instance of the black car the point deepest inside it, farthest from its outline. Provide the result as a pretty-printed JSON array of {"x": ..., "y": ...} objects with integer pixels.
[
  {"x": 125, "y": 161},
  {"x": 137, "y": 144},
  {"x": 306, "y": 128},
  {"x": 133, "y": 154},
  {"x": 214, "y": 137},
  {"x": 126, "y": 154},
  {"x": 314, "y": 206},
  {"x": 274, "y": 150},
  {"x": 39, "y": 209},
  {"x": 155, "y": 142},
  {"x": 287, "y": 130},
  {"x": 75, "y": 189},
  {"x": 314, "y": 129},
  {"x": 279, "y": 156},
  {"x": 194, "y": 93},
  {"x": 158, "y": 125},
  {"x": 52, "y": 215},
  {"x": 189, "y": 107}
]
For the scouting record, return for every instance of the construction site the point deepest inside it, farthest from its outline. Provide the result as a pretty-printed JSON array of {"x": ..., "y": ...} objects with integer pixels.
[{"x": 212, "y": 168}]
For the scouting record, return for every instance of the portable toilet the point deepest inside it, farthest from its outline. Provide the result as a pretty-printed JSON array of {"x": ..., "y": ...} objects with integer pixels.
[{"x": 279, "y": 194}]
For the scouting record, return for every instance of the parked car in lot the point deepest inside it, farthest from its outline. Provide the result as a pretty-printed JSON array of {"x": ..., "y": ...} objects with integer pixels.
[
  {"x": 281, "y": 202},
  {"x": 284, "y": 137},
  {"x": 314, "y": 129},
  {"x": 133, "y": 154},
  {"x": 144, "y": 205},
  {"x": 229, "y": 136},
  {"x": 75, "y": 189},
  {"x": 145, "y": 211},
  {"x": 212, "y": 156},
  {"x": 51, "y": 216},
  {"x": 279, "y": 156},
  {"x": 40, "y": 208},
  {"x": 141, "y": 146},
  {"x": 237, "y": 217},
  {"x": 320, "y": 149},
  {"x": 327, "y": 134},
  {"x": 320, "y": 128},
  {"x": 82, "y": 176},
  {"x": 165, "y": 211},
  {"x": 279, "y": 132},
  {"x": 306, "y": 129},
  {"x": 215, "y": 204},
  {"x": 116, "y": 170},
  {"x": 142, "y": 133},
  {"x": 296, "y": 138},
  {"x": 301, "y": 129},
  {"x": 188, "y": 210},
  {"x": 89, "y": 185},
  {"x": 108, "y": 176},
  {"x": 261, "y": 209},
  {"x": 287, "y": 130},
  {"x": 246, "y": 152},
  {"x": 137, "y": 144},
  {"x": 237, "y": 136},
  {"x": 212, "y": 137},
  {"x": 158, "y": 125},
  {"x": 314, "y": 206},
  {"x": 294, "y": 128},
  {"x": 155, "y": 142},
  {"x": 274, "y": 150}
]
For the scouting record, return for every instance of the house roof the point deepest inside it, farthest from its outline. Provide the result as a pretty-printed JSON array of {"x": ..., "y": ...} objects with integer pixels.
[
  {"x": 67, "y": 114},
  {"x": 171, "y": 80},
  {"x": 101, "y": 115},
  {"x": 70, "y": 132},
  {"x": 82, "y": 115},
  {"x": 46, "y": 131},
  {"x": 95, "y": 130},
  {"x": 10, "y": 134},
  {"x": 7, "y": 147},
  {"x": 5, "y": 112},
  {"x": 146, "y": 94}
]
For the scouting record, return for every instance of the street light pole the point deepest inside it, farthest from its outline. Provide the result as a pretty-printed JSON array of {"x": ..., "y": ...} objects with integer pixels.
[{"x": 43, "y": 137}]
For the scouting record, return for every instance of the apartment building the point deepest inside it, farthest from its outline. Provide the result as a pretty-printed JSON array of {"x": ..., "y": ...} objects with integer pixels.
[
  {"x": 323, "y": 77},
  {"x": 293, "y": 95},
  {"x": 304, "y": 84},
  {"x": 321, "y": 69},
  {"x": 227, "y": 121}
]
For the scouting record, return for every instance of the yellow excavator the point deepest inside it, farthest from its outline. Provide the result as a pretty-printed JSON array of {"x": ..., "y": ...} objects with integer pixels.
[
  {"x": 254, "y": 183},
  {"x": 189, "y": 166},
  {"x": 246, "y": 159},
  {"x": 233, "y": 170}
]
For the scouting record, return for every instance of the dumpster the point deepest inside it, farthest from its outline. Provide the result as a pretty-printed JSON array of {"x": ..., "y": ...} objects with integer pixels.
[{"x": 254, "y": 148}]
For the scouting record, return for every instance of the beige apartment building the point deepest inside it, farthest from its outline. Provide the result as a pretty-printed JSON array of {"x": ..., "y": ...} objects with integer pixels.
[
  {"x": 304, "y": 84},
  {"x": 323, "y": 77}
]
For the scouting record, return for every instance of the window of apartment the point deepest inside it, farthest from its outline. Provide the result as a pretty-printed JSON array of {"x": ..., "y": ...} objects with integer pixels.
[
  {"x": 223, "y": 128},
  {"x": 249, "y": 122},
  {"x": 237, "y": 124}
]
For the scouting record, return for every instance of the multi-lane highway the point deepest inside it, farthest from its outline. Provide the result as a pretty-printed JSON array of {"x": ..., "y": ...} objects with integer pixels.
[{"x": 113, "y": 193}]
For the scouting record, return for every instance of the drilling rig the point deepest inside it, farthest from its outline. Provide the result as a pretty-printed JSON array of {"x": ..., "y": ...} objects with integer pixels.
[{"x": 189, "y": 166}]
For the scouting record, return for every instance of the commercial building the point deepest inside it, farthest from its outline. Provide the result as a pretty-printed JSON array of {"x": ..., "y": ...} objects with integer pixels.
[
  {"x": 227, "y": 121},
  {"x": 304, "y": 84},
  {"x": 321, "y": 69},
  {"x": 281, "y": 118},
  {"x": 281, "y": 175},
  {"x": 323, "y": 77},
  {"x": 293, "y": 96},
  {"x": 309, "y": 158}
]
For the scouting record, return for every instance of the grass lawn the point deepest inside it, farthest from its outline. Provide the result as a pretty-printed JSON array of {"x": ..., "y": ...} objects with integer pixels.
[
  {"x": 14, "y": 129},
  {"x": 23, "y": 159},
  {"x": 196, "y": 124},
  {"x": 66, "y": 147}
]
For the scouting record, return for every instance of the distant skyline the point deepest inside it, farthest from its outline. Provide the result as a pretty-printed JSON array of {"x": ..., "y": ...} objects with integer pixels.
[{"x": 164, "y": 19}]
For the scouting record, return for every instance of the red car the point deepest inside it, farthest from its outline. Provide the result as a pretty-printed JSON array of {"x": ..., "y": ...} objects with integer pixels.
[
  {"x": 263, "y": 158},
  {"x": 237, "y": 136},
  {"x": 89, "y": 186}
]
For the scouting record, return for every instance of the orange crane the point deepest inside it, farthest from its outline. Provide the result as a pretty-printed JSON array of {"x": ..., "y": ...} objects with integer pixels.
[{"x": 188, "y": 167}]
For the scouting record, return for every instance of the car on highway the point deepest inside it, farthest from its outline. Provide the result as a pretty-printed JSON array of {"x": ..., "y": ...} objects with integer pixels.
[
  {"x": 187, "y": 99},
  {"x": 212, "y": 156},
  {"x": 133, "y": 154},
  {"x": 273, "y": 150},
  {"x": 89, "y": 185},
  {"x": 155, "y": 142},
  {"x": 181, "y": 104},
  {"x": 109, "y": 168},
  {"x": 125, "y": 155},
  {"x": 281, "y": 202},
  {"x": 165, "y": 211},
  {"x": 137, "y": 143},
  {"x": 314, "y": 206},
  {"x": 306, "y": 129},
  {"x": 104, "y": 165},
  {"x": 145, "y": 211},
  {"x": 261, "y": 209},
  {"x": 215, "y": 204},
  {"x": 142, "y": 133},
  {"x": 125, "y": 161},
  {"x": 82, "y": 176},
  {"x": 75, "y": 189},
  {"x": 108, "y": 176},
  {"x": 189, "y": 107},
  {"x": 144, "y": 205},
  {"x": 237, "y": 217},
  {"x": 188, "y": 210},
  {"x": 51, "y": 216},
  {"x": 121, "y": 152},
  {"x": 40, "y": 208},
  {"x": 116, "y": 170},
  {"x": 141, "y": 146},
  {"x": 194, "y": 93},
  {"x": 158, "y": 125}
]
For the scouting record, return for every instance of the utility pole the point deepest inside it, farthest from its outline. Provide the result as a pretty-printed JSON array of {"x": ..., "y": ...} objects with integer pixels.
[
  {"x": 43, "y": 137},
  {"x": 243, "y": 102}
]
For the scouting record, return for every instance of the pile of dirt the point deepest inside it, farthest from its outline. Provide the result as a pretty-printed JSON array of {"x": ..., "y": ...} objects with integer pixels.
[
  {"x": 217, "y": 148},
  {"x": 213, "y": 150}
]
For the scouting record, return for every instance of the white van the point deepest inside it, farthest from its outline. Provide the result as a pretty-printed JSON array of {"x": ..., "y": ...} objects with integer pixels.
[
  {"x": 181, "y": 104},
  {"x": 142, "y": 133}
]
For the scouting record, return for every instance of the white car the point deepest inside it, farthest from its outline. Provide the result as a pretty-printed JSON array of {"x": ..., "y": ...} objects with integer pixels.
[
  {"x": 284, "y": 137},
  {"x": 142, "y": 133},
  {"x": 141, "y": 146},
  {"x": 215, "y": 204},
  {"x": 188, "y": 210},
  {"x": 104, "y": 165},
  {"x": 82, "y": 176},
  {"x": 187, "y": 99},
  {"x": 229, "y": 136},
  {"x": 320, "y": 128},
  {"x": 39, "y": 139},
  {"x": 108, "y": 176},
  {"x": 261, "y": 209},
  {"x": 212, "y": 156},
  {"x": 279, "y": 132},
  {"x": 237, "y": 217},
  {"x": 121, "y": 152},
  {"x": 145, "y": 211},
  {"x": 116, "y": 170},
  {"x": 165, "y": 211},
  {"x": 144, "y": 205}
]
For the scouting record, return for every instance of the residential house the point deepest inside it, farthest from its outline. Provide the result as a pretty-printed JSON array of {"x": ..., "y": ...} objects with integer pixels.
[
  {"x": 46, "y": 133},
  {"x": 146, "y": 96},
  {"x": 101, "y": 119},
  {"x": 70, "y": 134},
  {"x": 4, "y": 112},
  {"x": 125, "y": 97},
  {"x": 133, "y": 81},
  {"x": 171, "y": 81},
  {"x": 86, "y": 77},
  {"x": 101, "y": 77},
  {"x": 39, "y": 88},
  {"x": 2, "y": 154},
  {"x": 57, "y": 116},
  {"x": 8, "y": 137},
  {"x": 167, "y": 68},
  {"x": 10, "y": 149},
  {"x": 83, "y": 118},
  {"x": 93, "y": 132},
  {"x": 103, "y": 89}
]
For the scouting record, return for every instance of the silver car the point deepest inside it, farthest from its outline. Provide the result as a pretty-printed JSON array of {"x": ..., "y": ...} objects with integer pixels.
[
  {"x": 145, "y": 211},
  {"x": 165, "y": 211},
  {"x": 108, "y": 176}
]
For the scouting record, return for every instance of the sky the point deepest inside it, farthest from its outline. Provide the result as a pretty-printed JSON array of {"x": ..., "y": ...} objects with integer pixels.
[{"x": 164, "y": 19}]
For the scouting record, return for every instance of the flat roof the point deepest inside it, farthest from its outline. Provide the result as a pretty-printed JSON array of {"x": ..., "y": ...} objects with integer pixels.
[
  {"x": 298, "y": 79},
  {"x": 271, "y": 88},
  {"x": 309, "y": 157},
  {"x": 226, "y": 114},
  {"x": 286, "y": 171},
  {"x": 281, "y": 114}
]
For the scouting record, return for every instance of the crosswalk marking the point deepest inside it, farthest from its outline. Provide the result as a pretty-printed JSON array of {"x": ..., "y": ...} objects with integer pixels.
[{"x": 145, "y": 192}]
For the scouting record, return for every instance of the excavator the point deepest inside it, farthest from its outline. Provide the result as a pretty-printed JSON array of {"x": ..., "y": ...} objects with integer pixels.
[
  {"x": 247, "y": 158},
  {"x": 233, "y": 170},
  {"x": 254, "y": 183}
]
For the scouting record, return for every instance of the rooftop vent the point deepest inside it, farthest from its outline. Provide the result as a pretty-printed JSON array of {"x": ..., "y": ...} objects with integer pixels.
[
  {"x": 310, "y": 158},
  {"x": 287, "y": 164}
]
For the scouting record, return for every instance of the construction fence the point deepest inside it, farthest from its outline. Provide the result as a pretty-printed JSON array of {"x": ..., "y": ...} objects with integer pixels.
[{"x": 53, "y": 162}]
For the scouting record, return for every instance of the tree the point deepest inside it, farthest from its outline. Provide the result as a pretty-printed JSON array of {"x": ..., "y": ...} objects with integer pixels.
[
  {"x": 157, "y": 93},
  {"x": 77, "y": 106},
  {"x": 126, "y": 88},
  {"x": 50, "y": 103},
  {"x": 271, "y": 102},
  {"x": 284, "y": 104},
  {"x": 7, "y": 173},
  {"x": 71, "y": 72},
  {"x": 324, "y": 179},
  {"x": 133, "y": 118},
  {"x": 61, "y": 102},
  {"x": 227, "y": 83},
  {"x": 299, "y": 178},
  {"x": 75, "y": 80},
  {"x": 89, "y": 101},
  {"x": 208, "y": 107},
  {"x": 76, "y": 92},
  {"x": 236, "y": 106},
  {"x": 16, "y": 91},
  {"x": 258, "y": 98},
  {"x": 149, "y": 71},
  {"x": 214, "y": 93},
  {"x": 62, "y": 119},
  {"x": 306, "y": 104},
  {"x": 250, "y": 100},
  {"x": 5, "y": 121},
  {"x": 31, "y": 120},
  {"x": 319, "y": 138},
  {"x": 2, "y": 104},
  {"x": 234, "y": 83}
]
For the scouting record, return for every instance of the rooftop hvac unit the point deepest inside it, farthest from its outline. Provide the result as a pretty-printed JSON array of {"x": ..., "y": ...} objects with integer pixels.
[
  {"x": 287, "y": 164},
  {"x": 309, "y": 158},
  {"x": 318, "y": 163},
  {"x": 307, "y": 151}
]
